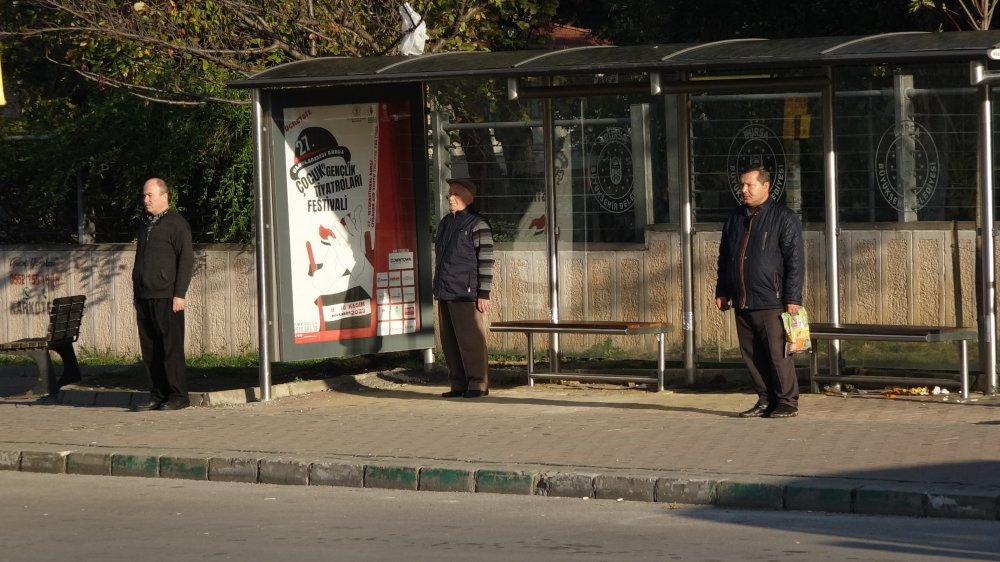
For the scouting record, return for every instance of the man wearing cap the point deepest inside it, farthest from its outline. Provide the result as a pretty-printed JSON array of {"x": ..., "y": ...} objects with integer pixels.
[{"x": 463, "y": 278}]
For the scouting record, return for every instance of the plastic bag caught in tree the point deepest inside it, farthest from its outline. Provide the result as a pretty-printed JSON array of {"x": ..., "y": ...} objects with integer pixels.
[{"x": 414, "y": 31}]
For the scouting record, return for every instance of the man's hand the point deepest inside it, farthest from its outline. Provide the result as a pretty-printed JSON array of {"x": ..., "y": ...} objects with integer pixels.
[
  {"x": 483, "y": 305},
  {"x": 792, "y": 308},
  {"x": 722, "y": 303},
  {"x": 178, "y": 304}
]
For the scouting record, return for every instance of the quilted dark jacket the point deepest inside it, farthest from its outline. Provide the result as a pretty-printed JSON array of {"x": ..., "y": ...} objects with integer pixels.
[{"x": 761, "y": 264}]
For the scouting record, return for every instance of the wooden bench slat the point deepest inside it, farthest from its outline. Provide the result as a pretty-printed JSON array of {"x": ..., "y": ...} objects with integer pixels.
[
  {"x": 25, "y": 343},
  {"x": 830, "y": 331},
  {"x": 582, "y": 327}
]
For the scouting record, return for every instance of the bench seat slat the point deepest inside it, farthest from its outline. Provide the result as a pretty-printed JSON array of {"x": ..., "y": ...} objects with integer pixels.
[
  {"x": 605, "y": 377},
  {"x": 581, "y": 327},
  {"x": 23, "y": 344},
  {"x": 819, "y": 330},
  {"x": 888, "y": 379}
]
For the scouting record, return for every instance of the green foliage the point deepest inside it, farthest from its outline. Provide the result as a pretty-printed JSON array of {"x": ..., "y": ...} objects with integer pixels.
[
  {"x": 106, "y": 146},
  {"x": 633, "y": 22},
  {"x": 105, "y": 95}
]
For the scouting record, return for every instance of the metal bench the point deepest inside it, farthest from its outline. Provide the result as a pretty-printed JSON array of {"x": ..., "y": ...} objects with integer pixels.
[
  {"x": 608, "y": 328},
  {"x": 65, "y": 317},
  {"x": 881, "y": 332}
]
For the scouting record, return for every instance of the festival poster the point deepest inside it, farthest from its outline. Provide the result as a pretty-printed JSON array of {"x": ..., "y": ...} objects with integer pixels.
[{"x": 351, "y": 243}]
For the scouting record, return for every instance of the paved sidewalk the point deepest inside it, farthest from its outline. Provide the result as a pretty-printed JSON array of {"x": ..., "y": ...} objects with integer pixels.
[{"x": 857, "y": 454}]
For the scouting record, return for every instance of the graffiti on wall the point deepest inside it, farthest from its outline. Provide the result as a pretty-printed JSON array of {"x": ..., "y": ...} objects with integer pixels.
[{"x": 33, "y": 278}]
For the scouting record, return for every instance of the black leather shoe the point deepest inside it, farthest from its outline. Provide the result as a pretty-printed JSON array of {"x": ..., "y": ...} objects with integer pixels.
[
  {"x": 175, "y": 404},
  {"x": 147, "y": 406},
  {"x": 759, "y": 409},
  {"x": 453, "y": 394},
  {"x": 783, "y": 411},
  {"x": 476, "y": 393}
]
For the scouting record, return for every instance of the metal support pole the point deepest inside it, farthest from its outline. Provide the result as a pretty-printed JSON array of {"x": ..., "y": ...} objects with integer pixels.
[
  {"x": 552, "y": 227},
  {"x": 263, "y": 233},
  {"x": 987, "y": 322},
  {"x": 832, "y": 223},
  {"x": 428, "y": 359},
  {"x": 687, "y": 233}
]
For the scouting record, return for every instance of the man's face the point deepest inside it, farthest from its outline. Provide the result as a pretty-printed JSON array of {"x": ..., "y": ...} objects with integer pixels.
[
  {"x": 754, "y": 192},
  {"x": 154, "y": 199},
  {"x": 458, "y": 197}
]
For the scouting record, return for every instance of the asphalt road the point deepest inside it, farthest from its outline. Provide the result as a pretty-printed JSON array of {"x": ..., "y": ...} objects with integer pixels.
[{"x": 59, "y": 517}]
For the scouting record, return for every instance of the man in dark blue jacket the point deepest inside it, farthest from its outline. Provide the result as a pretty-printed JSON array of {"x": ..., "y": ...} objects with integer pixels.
[
  {"x": 463, "y": 278},
  {"x": 761, "y": 271},
  {"x": 164, "y": 262}
]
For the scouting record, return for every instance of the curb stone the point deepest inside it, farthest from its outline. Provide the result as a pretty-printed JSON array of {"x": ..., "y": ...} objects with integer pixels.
[
  {"x": 335, "y": 473},
  {"x": 72, "y": 395},
  {"x": 692, "y": 491},
  {"x": 233, "y": 469},
  {"x": 284, "y": 471},
  {"x": 814, "y": 494},
  {"x": 751, "y": 494},
  {"x": 505, "y": 482},
  {"x": 394, "y": 477},
  {"x": 625, "y": 487},
  {"x": 567, "y": 485},
  {"x": 126, "y": 464},
  {"x": 88, "y": 462},
  {"x": 447, "y": 480},
  {"x": 44, "y": 461},
  {"x": 820, "y": 495}
]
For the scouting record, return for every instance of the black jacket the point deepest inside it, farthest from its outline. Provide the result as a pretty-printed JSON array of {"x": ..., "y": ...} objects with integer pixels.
[
  {"x": 761, "y": 263},
  {"x": 164, "y": 260}
]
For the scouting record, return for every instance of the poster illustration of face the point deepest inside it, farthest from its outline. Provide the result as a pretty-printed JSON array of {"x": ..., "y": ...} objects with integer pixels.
[{"x": 351, "y": 230}]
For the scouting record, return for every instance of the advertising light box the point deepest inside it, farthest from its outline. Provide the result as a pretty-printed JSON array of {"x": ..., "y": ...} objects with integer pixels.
[{"x": 350, "y": 239}]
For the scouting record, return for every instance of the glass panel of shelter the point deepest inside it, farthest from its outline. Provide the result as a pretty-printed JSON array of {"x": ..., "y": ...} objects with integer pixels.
[
  {"x": 905, "y": 143},
  {"x": 603, "y": 166}
]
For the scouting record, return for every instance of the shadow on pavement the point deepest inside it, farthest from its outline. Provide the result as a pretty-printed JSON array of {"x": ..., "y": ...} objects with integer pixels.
[{"x": 882, "y": 537}]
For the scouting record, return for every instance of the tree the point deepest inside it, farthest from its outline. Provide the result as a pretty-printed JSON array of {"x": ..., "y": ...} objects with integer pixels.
[
  {"x": 972, "y": 14},
  {"x": 106, "y": 93},
  {"x": 183, "y": 51},
  {"x": 631, "y": 22}
]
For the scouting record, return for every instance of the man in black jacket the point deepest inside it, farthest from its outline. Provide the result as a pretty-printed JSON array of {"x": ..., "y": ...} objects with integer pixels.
[
  {"x": 164, "y": 262},
  {"x": 761, "y": 272}
]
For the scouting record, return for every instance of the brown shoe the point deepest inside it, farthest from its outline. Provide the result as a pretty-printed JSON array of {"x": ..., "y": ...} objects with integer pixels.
[
  {"x": 476, "y": 393},
  {"x": 453, "y": 394}
]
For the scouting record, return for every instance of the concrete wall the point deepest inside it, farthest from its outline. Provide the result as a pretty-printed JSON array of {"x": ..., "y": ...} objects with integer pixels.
[
  {"x": 221, "y": 311},
  {"x": 893, "y": 276}
]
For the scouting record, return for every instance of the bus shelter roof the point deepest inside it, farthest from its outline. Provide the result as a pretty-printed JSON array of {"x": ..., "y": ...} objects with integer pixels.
[{"x": 729, "y": 55}]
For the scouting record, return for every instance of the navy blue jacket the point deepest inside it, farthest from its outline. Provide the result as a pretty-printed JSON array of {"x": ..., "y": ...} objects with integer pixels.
[
  {"x": 761, "y": 262},
  {"x": 463, "y": 248}
]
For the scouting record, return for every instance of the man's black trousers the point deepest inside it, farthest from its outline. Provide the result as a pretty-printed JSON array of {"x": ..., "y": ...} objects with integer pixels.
[{"x": 161, "y": 338}]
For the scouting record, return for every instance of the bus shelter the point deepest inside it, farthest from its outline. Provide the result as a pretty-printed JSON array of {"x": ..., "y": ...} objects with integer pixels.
[{"x": 586, "y": 149}]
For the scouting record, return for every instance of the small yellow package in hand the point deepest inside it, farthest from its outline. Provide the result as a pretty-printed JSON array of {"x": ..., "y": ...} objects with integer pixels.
[{"x": 796, "y": 331}]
